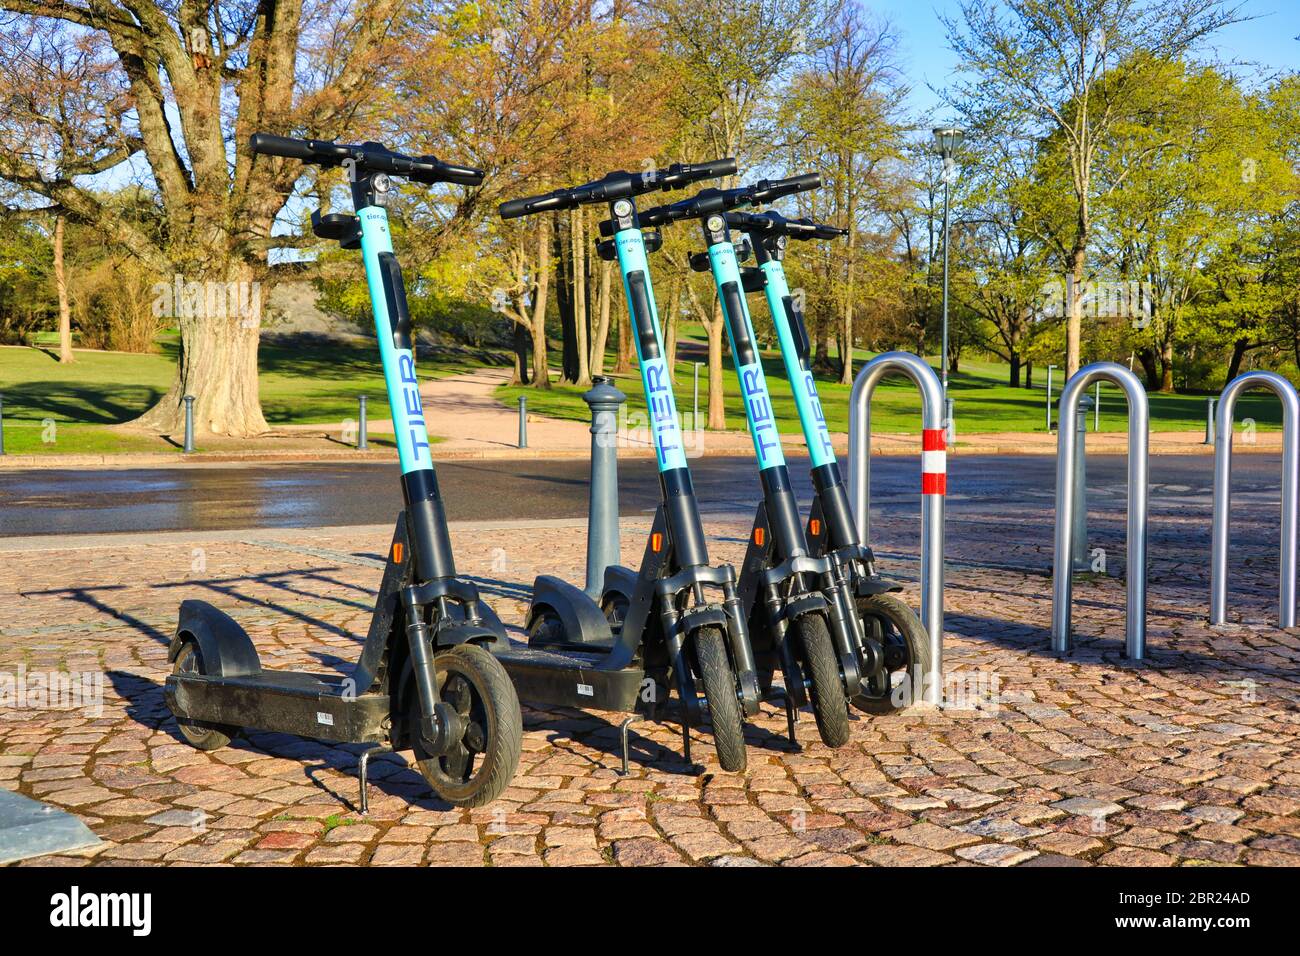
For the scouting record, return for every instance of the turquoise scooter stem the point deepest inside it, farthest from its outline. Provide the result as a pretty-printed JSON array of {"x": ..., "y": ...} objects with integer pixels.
[
  {"x": 749, "y": 365},
  {"x": 802, "y": 382},
  {"x": 409, "y": 427},
  {"x": 656, "y": 377}
]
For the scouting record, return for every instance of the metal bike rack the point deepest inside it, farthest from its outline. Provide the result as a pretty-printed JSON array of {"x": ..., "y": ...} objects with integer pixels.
[
  {"x": 934, "y": 486},
  {"x": 1139, "y": 419},
  {"x": 1286, "y": 394}
]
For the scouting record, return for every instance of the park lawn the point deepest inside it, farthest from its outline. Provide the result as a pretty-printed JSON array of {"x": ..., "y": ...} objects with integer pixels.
[
  {"x": 983, "y": 402},
  {"x": 312, "y": 384}
]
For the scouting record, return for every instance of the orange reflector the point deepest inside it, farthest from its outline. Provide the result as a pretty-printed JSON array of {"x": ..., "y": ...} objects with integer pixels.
[
  {"x": 656, "y": 542},
  {"x": 758, "y": 537},
  {"x": 815, "y": 527},
  {"x": 397, "y": 552}
]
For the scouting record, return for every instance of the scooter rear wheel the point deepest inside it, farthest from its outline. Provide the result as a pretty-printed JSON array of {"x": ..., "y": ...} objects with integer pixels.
[
  {"x": 480, "y": 765},
  {"x": 720, "y": 691},
  {"x": 196, "y": 733},
  {"x": 825, "y": 683},
  {"x": 907, "y": 655}
]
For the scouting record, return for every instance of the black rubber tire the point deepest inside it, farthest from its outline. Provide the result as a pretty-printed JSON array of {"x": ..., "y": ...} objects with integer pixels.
[
  {"x": 720, "y": 691},
  {"x": 903, "y": 626},
  {"x": 197, "y": 734},
  {"x": 473, "y": 681},
  {"x": 826, "y": 684}
]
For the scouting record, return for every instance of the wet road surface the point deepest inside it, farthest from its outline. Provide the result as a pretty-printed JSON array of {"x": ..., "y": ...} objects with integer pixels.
[{"x": 44, "y": 502}]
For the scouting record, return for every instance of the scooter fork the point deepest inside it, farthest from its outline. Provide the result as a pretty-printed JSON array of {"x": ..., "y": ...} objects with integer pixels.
[{"x": 439, "y": 724}]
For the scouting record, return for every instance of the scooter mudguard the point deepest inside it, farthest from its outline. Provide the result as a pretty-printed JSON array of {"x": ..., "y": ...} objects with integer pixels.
[
  {"x": 489, "y": 632},
  {"x": 866, "y": 587},
  {"x": 620, "y": 580},
  {"x": 225, "y": 648},
  {"x": 580, "y": 617}
]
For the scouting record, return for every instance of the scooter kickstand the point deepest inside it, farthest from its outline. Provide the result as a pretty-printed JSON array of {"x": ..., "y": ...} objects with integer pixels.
[
  {"x": 635, "y": 718},
  {"x": 791, "y": 717},
  {"x": 363, "y": 762}
]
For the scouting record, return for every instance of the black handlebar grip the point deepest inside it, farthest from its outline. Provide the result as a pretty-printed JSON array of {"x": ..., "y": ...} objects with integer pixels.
[
  {"x": 715, "y": 169},
  {"x": 514, "y": 208},
  {"x": 461, "y": 175},
  {"x": 281, "y": 146},
  {"x": 776, "y": 188}
]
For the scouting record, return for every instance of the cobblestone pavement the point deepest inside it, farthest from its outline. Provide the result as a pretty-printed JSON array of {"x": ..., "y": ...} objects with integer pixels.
[{"x": 1189, "y": 758}]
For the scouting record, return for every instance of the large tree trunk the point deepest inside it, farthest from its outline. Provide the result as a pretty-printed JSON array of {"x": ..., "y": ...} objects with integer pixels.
[
  {"x": 1074, "y": 317},
  {"x": 581, "y": 324},
  {"x": 541, "y": 373},
  {"x": 220, "y": 327},
  {"x": 670, "y": 327},
  {"x": 1239, "y": 350},
  {"x": 717, "y": 415},
  {"x": 601, "y": 337},
  {"x": 1014, "y": 380},
  {"x": 1029, "y": 374},
  {"x": 61, "y": 286},
  {"x": 1167, "y": 366},
  {"x": 624, "y": 361},
  {"x": 520, "y": 343},
  {"x": 1150, "y": 366}
]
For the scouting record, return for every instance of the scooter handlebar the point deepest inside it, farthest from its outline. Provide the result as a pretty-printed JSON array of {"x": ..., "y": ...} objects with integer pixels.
[
  {"x": 371, "y": 156},
  {"x": 617, "y": 185}
]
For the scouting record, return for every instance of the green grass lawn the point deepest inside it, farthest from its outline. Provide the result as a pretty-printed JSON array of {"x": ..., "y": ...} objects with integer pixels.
[
  {"x": 983, "y": 402},
  {"x": 315, "y": 384}
]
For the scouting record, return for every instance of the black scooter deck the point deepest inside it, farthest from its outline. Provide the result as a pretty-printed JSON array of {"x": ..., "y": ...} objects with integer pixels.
[
  {"x": 323, "y": 706},
  {"x": 571, "y": 679}
]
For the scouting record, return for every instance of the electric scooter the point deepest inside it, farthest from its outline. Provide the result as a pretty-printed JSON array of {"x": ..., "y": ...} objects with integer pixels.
[
  {"x": 652, "y": 629},
  {"x": 426, "y": 678},
  {"x": 894, "y": 644},
  {"x": 797, "y": 603}
]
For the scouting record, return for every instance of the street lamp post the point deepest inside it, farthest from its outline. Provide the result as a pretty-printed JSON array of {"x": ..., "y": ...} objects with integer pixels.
[{"x": 948, "y": 138}]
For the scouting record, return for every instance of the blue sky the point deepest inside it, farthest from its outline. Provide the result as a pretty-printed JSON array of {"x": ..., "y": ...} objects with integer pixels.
[{"x": 1268, "y": 41}]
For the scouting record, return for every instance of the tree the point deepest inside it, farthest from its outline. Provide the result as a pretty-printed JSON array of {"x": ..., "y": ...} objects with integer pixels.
[
  {"x": 842, "y": 114},
  {"x": 1070, "y": 69},
  {"x": 730, "y": 57},
  {"x": 181, "y": 87}
]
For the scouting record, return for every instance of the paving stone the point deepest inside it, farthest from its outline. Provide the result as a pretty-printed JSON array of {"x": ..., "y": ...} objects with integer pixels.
[{"x": 1086, "y": 760}]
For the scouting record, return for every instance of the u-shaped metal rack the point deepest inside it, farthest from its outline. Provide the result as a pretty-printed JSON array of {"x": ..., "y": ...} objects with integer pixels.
[
  {"x": 1139, "y": 427},
  {"x": 1286, "y": 394}
]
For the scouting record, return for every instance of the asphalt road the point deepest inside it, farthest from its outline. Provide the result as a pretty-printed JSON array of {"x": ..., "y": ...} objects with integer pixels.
[{"x": 44, "y": 502}]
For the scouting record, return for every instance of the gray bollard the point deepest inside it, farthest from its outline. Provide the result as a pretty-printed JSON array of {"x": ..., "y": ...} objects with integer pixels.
[
  {"x": 1080, "y": 561},
  {"x": 523, "y": 421},
  {"x": 2, "y": 424},
  {"x": 949, "y": 423},
  {"x": 602, "y": 515},
  {"x": 189, "y": 424},
  {"x": 1209, "y": 421},
  {"x": 362, "y": 443},
  {"x": 1096, "y": 410}
]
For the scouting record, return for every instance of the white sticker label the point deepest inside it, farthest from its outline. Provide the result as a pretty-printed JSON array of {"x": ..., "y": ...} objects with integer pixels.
[
  {"x": 586, "y": 690},
  {"x": 326, "y": 719}
]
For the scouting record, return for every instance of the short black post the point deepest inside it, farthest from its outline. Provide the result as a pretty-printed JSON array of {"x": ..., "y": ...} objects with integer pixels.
[
  {"x": 523, "y": 421},
  {"x": 362, "y": 444},
  {"x": 189, "y": 424},
  {"x": 2, "y": 424}
]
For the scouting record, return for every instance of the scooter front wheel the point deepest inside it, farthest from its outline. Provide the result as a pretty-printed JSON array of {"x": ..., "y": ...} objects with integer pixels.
[
  {"x": 826, "y": 687},
  {"x": 907, "y": 655},
  {"x": 480, "y": 764},
  {"x": 720, "y": 691}
]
